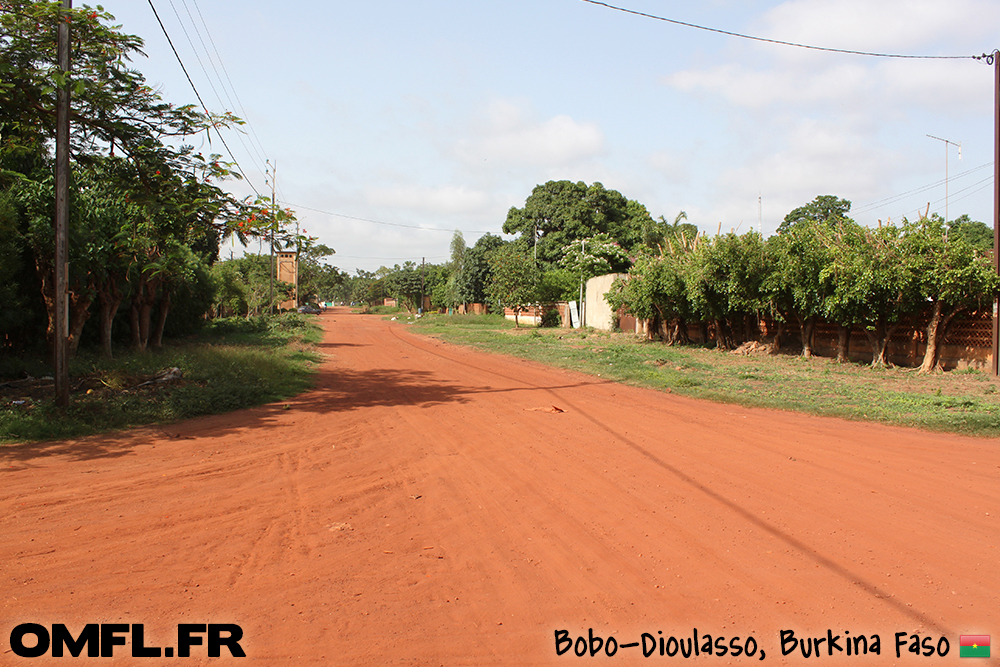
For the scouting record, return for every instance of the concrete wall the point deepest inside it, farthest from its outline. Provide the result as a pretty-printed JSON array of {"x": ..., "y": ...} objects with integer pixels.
[{"x": 598, "y": 313}]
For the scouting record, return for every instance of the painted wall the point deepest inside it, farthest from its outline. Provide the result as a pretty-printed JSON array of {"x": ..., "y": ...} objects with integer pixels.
[{"x": 598, "y": 313}]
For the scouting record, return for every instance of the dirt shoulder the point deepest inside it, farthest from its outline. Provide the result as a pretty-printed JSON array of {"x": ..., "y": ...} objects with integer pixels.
[{"x": 426, "y": 504}]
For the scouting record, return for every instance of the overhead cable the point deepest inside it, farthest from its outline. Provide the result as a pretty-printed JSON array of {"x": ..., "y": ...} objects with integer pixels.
[
  {"x": 198, "y": 95},
  {"x": 201, "y": 64},
  {"x": 776, "y": 41},
  {"x": 380, "y": 222},
  {"x": 881, "y": 203}
]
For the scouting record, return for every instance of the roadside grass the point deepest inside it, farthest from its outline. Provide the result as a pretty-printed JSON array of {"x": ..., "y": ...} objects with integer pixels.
[
  {"x": 231, "y": 364},
  {"x": 965, "y": 401},
  {"x": 381, "y": 310}
]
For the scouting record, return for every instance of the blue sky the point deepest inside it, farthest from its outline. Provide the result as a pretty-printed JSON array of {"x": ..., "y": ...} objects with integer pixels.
[{"x": 443, "y": 114}]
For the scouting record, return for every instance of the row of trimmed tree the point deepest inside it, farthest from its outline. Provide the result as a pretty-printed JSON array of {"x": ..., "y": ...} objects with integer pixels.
[{"x": 821, "y": 265}]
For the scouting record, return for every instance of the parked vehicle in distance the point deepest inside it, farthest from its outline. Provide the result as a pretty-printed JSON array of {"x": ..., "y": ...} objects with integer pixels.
[{"x": 309, "y": 309}]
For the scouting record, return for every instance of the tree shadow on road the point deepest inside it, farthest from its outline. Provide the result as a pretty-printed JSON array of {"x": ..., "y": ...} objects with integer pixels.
[{"x": 335, "y": 390}]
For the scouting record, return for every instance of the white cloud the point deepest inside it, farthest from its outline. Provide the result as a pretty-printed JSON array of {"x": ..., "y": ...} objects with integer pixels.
[
  {"x": 751, "y": 88},
  {"x": 810, "y": 158},
  {"x": 510, "y": 135},
  {"x": 446, "y": 200},
  {"x": 879, "y": 25}
]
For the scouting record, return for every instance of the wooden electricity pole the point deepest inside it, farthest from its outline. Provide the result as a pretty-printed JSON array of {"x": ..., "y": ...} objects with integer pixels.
[
  {"x": 61, "y": 342},
  {"x": 994, "y": 59},
  {"x": 274, "y": 218}
]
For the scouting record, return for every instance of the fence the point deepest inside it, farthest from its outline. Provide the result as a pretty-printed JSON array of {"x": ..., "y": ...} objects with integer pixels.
[{"x": 967, "y": 343}]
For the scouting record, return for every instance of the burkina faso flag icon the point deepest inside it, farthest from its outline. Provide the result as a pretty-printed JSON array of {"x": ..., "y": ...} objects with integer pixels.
[{"x": 974, "y": 646}]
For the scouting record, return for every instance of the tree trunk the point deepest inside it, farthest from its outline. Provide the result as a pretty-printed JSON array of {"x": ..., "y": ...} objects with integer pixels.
[
  {"x": 680, "y": 332},
  {"x": 108, "y": 310},
  {"x": 145, "y": 310},
  {"x": 109, "y": 298},
  {"x": 663, "y": 331},
  {"x": 930, "y": 362},
  {"x": 778, "y": 334},
  {"x": 654, "y": 327},
  {"x": 807, "y": 327},
  {"x": 879, "y": 340},
  {"x": 142, "y": 307},
  {"x": 161, "y": 319},
  {"x": 79, "y": 314},
  {"x": 843, "y": 343},
  {"x": 723, "y": 337},
  {"x": 751, "y": 325},
  {"x": 47, "y": 279},
  {"x": 936, "y": 329}
]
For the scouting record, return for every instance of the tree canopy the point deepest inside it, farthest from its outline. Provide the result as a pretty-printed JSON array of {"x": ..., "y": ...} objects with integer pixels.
[
  {"x": 826, "y": 209},
  {"x": 147, "y": 212},
  {"x": 561, "y": 212}
]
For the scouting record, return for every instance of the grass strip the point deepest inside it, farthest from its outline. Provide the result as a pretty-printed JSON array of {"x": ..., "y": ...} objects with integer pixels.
[
  {"x": 232, "y": 364},
  {"x": 965, "y": 401}
]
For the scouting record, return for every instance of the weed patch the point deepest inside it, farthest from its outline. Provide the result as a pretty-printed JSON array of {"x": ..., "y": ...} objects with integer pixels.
[{"x": 232, "y": 364}]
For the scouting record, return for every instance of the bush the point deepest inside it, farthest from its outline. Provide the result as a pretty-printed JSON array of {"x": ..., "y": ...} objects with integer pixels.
[{"x": 551, "y": 318}]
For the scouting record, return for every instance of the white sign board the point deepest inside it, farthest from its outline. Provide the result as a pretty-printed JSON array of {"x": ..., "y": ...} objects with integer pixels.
[{"x": 574, "y": 315}]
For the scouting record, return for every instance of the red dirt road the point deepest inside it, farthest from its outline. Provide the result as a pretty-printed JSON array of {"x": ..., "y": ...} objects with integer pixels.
[{"x": 423, "y": 505}]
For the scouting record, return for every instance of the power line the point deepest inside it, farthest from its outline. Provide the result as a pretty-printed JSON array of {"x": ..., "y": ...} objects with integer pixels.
[
  {"x": 201, "y": 64},
  {"x": 774, "y": 41},
  {"x": 881, "y": 203},
  {"x": 243, "y": 113},
  {"x": 258, "y": 148},
  {"x": 395, "y": 259},
  {"x": 979, "y": 186},
  {"x": 380, "y": 222},
  {"x": 198, "y": 95},
  {"x": 197, "y": 57}
]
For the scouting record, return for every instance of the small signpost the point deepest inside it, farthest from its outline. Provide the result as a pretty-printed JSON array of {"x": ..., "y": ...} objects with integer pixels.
[{"x": 574, "y": 315}]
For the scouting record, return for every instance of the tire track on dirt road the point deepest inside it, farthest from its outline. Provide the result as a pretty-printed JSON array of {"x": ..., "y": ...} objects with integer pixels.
[{"x": 416, "y": 507}]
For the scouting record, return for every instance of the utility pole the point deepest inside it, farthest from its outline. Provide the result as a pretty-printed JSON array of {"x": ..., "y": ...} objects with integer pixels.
[
  {"x": 946, "y": 143},
  {"x": 421, "y": 308},
  {"x": 62, "y": 215},
  {"x": 270, "y": 306},
  {"x": 760, "y": 216},
  {"x": 583, "y": 250},
  {"x": 994, "y": 60},
  {"x": 298, "y": 252}
]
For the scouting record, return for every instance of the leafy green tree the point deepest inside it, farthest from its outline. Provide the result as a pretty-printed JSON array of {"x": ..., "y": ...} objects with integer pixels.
[
  {"x": 405, "y": 283},
  {"x": 655, "y": 290},
  {"x": 471, "y": 282},
  {"x": 513, "y": 279},
  {"x": 953, "y": 275},
  {"x": 316, "y": 279},
  {"x": 874, "y": 283},
  {"x": 128, "y": 171},
  {"x": 230, "y": 290},
  {"x": 561, "y": 212},
  {"x": 977, "y": 234},
  {"x": 438, "y": 285},
  {"x": 448, "y": 295},
  {"x": 795, "y": 287},
  {"x": 367, "y": 287},
  {"x": 726, "y": 285},
  {"x": 826, "y": 209},
  {"x": 660, "y": 233},
  {"x": 558, "y": 285},
  {"x": 593, "y": 256},
  {"x": 329, "y": 283}
]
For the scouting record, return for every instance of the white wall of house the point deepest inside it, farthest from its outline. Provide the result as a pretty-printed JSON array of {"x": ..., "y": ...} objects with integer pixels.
[{"x": 598, "y": 313}]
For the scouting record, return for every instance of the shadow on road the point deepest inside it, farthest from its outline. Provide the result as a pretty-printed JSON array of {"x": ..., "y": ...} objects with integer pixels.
[{"x": 336, "y": 390}]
